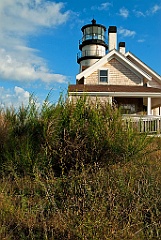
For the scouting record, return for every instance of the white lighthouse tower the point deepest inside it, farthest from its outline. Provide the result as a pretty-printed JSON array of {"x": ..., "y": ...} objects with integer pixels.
[{"x": 92, "y": 46}]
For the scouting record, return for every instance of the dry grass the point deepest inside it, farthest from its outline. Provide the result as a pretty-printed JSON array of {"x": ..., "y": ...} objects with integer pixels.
[
  {"x": 121, "y": 203},
  {"x": 74, "y": 173}
]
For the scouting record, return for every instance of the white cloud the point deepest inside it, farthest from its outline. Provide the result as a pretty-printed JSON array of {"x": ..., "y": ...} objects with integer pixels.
[
  {"x": 123, "y": 12},
  {"x": 103, "y": 6},
  {"x": 22, "y": 19},
  {"x": 154, "y": 9},
  {"x": 125, "y": 32},
  {"x": 139, "y": 13},
  {"x": 14, "y": 97},
  {"x": 149, "y": 12},
  {"x": 141, "y": 40},
  {"x": 26, "y": 16},
  {"x": 26, "y": 67},
  {"x": 21, "y": 93}
]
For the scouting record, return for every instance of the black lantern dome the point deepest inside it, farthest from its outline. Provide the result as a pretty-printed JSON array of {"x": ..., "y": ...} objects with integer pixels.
[{"x": 93, "y": 34}]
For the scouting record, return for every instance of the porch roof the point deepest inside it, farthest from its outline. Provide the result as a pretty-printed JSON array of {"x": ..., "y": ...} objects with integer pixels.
[{"x": 115, "y": 90}]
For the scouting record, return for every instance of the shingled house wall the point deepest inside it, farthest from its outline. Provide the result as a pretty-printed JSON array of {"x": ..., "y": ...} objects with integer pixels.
[{"x": 118, "y": 74}]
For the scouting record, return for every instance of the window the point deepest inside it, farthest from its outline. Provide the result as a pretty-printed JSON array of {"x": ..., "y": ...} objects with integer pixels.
[
  {"x": 128, "y": 108},
  {"x": 103, "y": 76}
]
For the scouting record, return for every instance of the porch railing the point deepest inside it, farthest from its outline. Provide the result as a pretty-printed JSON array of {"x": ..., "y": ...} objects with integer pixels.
[{"x": 148, "y": 124}]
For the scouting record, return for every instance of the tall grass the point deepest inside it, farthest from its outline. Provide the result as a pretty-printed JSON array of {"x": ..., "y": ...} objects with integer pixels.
[{"x": 73, "y": 171}]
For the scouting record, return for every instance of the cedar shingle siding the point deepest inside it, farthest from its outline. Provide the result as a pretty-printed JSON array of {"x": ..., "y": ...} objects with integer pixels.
[{"x": 118, "y": 75}]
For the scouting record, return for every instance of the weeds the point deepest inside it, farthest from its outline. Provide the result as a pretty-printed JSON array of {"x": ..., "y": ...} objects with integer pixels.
[{"x": 74, "y": 172}]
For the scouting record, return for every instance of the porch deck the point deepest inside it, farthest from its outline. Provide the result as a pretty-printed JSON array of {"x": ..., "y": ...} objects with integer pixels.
[{"x": 146, "y": 123}]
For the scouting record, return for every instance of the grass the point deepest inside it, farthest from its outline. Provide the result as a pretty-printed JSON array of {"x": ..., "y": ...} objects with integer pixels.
[{"x": 74, "y": 172}]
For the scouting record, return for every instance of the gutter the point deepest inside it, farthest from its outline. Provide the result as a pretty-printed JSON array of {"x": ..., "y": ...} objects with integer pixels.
[{"x": 116, "y": 94}]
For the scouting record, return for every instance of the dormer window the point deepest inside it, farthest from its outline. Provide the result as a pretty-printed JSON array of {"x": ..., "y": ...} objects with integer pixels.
[{"x": 103, "y": 76}]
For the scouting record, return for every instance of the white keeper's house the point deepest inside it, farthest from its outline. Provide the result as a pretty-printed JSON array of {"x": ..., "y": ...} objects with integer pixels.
[{"x": 109, "y": 73}]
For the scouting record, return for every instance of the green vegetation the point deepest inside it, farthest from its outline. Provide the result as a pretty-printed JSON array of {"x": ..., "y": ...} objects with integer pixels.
[{"x": 75, "y": 172}]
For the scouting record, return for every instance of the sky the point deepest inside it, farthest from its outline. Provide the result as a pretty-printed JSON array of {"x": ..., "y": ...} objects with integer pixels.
[{"x": 39, "y": 42}]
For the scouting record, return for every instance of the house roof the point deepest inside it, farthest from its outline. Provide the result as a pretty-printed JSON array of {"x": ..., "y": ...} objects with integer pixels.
[
  {"x": 146, "y": 68},
  {"x": 113, "y": 90},
  {"x": 110, "y": 55}
]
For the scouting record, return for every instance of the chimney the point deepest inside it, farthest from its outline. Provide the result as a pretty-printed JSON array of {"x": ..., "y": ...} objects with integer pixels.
[
  {"x": 112, "y": 38},
  {"x": 122, "y": 47}
]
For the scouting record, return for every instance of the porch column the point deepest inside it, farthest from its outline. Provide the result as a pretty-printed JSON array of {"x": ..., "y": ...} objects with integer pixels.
[
  {"x": 110, "y": 100},
  {"x": 149, "y": 106}
]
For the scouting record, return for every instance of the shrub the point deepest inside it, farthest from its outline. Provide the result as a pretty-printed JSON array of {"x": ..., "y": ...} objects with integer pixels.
[{"x": 65, "y": 135}]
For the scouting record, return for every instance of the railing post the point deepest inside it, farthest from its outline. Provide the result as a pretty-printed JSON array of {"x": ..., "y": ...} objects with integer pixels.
[{"x": 158, "y": 125}]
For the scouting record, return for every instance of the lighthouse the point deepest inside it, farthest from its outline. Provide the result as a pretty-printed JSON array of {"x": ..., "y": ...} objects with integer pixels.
[{"x": 92, "y": 46}]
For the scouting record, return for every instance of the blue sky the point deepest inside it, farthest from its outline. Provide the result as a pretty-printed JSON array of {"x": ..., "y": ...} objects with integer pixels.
[{"x": 39, "y": 41}]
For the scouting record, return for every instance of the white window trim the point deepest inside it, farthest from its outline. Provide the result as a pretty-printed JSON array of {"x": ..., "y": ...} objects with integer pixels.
[{"x": 104, "y": 83}]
